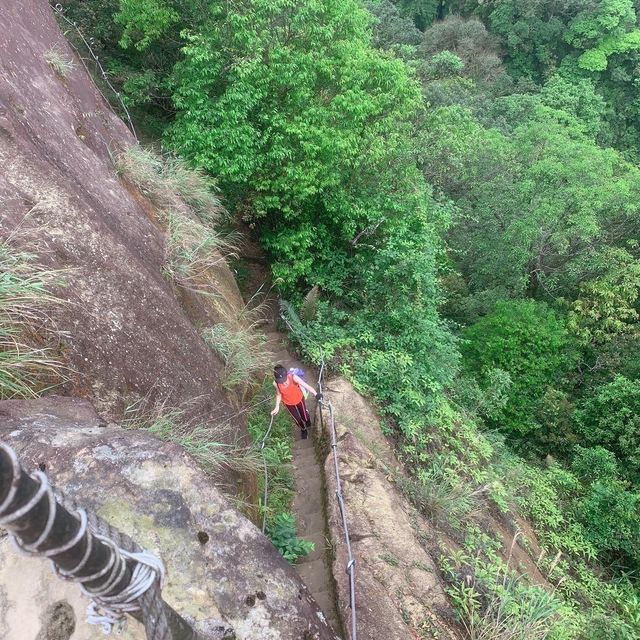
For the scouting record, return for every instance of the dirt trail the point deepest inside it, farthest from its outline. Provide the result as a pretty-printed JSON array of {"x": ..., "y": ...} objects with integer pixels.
[{"x": 308, "y": 503}]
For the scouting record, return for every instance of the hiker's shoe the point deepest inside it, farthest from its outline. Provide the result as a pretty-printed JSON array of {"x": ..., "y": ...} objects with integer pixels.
[{"x": 304, "y": 433}]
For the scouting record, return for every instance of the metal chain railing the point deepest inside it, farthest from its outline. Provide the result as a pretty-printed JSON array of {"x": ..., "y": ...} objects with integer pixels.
[
  {"x": 350, "y": 567},
  {"x": 59, "y": 11},
  {"x": 115, "y": 572}
]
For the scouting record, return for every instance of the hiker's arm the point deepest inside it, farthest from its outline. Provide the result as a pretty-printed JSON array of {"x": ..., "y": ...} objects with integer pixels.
[
  {"x": 278, "y": 400},
  {"x": 304, "y": 385}
]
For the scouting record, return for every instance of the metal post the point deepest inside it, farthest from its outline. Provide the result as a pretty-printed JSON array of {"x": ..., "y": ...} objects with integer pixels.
[{"x": 26, "y": 511}]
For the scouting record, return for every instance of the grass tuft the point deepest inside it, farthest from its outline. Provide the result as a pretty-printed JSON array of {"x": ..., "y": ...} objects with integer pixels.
[
  {"x": 214, "y": 446},
  {"x": 60, "y": 63},
  {"x": 167, "y": 180},
  {"x": 24, "y": 302},
  {"x": 243, "y": 354},
  {"x": 439, "y": 499}
]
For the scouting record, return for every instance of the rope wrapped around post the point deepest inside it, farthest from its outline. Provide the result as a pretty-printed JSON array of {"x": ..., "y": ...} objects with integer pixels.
[{"x": 117, "y": 574}]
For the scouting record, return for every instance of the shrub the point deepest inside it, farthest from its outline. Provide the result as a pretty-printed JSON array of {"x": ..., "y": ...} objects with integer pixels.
[
  {"x": 529, "y": 341},
  {"x": 282, "y": 532},
  {"x": 611, "y": 418}
]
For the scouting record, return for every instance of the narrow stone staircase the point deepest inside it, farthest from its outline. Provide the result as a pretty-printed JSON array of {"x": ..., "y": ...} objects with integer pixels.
[{"x": 308, "y": 506}]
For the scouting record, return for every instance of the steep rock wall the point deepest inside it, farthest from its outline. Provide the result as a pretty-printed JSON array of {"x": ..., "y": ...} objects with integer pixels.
[{"x": 125, "y": 334}]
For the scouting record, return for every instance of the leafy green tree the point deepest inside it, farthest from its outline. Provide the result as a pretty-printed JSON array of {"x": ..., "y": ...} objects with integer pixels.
[
  {"x": 304, "y": 124},
  {"x": 390, "y": 30},
  {"x": 470, "y": 41},
  {"x": 531, "y": 203},
  {"x": 529, "y": 341},
  {"x": 578, "y": 98},
  {"x": 611, "y": 418}
]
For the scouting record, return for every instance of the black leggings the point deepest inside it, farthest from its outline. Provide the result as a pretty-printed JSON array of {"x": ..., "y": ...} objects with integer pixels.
[{"x": 299, "y": 414}]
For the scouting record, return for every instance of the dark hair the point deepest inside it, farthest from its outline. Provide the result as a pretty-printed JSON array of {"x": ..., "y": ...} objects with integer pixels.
[{"x": 279, "y": 373}]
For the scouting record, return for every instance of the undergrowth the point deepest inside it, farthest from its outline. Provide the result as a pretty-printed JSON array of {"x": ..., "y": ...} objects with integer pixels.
[{"x": 455, "y": 472}]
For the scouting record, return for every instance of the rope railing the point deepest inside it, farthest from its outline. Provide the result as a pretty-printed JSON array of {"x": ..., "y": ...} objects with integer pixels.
[
  {"x": 263, "y": 442},
  {"x": 350, "y": 567},
  {"x": 112, "y": 570},
  {"x": 59, "y": 11}
]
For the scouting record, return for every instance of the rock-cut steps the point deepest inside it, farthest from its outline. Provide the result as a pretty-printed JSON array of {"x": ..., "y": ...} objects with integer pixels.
[{"x": 308, "y": 504}]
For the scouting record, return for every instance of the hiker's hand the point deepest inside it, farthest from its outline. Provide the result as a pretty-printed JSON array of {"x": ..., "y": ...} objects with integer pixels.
[
  {"x": 274, "y": 412},
  {"x": 319, "y": 397}
]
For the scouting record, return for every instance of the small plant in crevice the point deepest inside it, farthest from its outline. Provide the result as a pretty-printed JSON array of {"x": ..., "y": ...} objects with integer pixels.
[
  {"x": 282, "y": 532},
  {"x": 60, "y": 62}
]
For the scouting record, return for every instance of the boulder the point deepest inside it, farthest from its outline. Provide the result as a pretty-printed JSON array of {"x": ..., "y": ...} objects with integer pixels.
[
  {"x": 399, "y": 591},
  {"x": 219, "y": 565}
]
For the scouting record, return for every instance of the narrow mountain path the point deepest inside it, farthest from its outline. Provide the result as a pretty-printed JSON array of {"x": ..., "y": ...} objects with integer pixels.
[{"x": 308, "y": 503}]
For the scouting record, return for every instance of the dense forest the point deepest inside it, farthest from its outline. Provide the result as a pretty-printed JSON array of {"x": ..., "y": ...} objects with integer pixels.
[{"x": 450, "y": 191}]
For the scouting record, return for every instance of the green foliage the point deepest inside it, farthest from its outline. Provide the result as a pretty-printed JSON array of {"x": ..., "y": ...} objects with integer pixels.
[
  {"x": 578, "y": 98},
  {"x": 144, "y": 21},
  {"x": 444, "y": 65},
  {"x": 528, "y": 340},
  {"x": 282, "y": 532},
  {"x": 611, "y": 418},
  {"x": 307, "y": 125},
  {"x": 495, "y": 604}
]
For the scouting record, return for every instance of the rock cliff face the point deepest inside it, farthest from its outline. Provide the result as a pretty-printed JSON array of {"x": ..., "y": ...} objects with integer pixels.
[
  {"x": 125, "y": 335},
  {"x": 219, "y": 565},
  {"x": 399, "y": 592}
]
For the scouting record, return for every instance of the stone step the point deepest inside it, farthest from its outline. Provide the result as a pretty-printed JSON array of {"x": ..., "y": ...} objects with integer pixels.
[
  {"x": 325, "y": 601},
  {"x": 313, "y": 574},
  {"x": 307, "y": 509},
  {"x": 310, "y": 525}
]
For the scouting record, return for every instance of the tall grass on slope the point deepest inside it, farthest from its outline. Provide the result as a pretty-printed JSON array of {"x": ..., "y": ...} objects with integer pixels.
[
  {"x": 190, "y": 211},
  {"x": 241, "y": 352},
  {"x": 214, "y": 446},
  {"x": 167, "y": 180},
  {"x": 24, "y": 300}
]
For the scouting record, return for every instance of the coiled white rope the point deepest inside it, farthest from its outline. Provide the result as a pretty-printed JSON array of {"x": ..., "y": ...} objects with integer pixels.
[{"x": 107, "y": 611}]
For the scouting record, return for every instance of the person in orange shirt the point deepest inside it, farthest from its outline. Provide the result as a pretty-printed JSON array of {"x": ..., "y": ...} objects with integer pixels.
[{"x": 289, "y": 388}]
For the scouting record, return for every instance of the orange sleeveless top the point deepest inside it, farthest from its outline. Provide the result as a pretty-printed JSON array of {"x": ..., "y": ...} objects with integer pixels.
[{"x": 292, "y": 393}]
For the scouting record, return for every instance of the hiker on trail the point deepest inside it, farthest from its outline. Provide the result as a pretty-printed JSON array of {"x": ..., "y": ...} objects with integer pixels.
[{"x": 289, "y": 389}]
